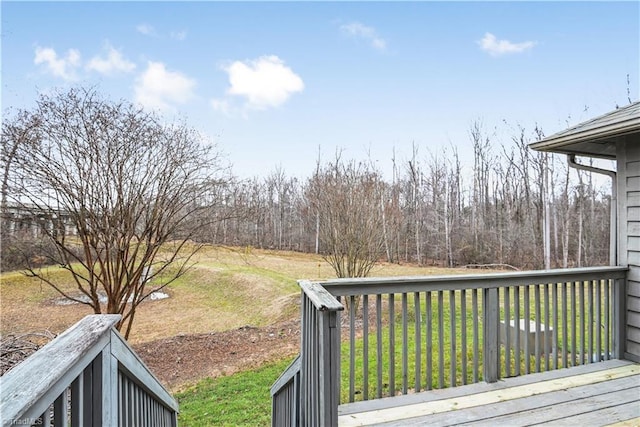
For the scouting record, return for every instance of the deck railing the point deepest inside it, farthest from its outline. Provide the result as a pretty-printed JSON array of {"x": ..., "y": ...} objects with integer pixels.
[
  {"x": 403, "y": 335},
  {"x": 285, "y": 409},
  {"x": 87, "y": 376}
]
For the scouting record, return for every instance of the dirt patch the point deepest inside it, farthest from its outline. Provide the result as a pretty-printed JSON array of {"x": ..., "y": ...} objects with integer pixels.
[{"x": 185, "y": 359}]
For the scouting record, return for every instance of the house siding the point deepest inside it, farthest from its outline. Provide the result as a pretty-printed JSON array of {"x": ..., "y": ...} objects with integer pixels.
[{"x": 629, "y": 244}]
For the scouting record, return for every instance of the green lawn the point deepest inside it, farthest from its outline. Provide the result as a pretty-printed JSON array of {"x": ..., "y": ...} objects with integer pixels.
[
  {"x": 242, "y": 399},
  {"x": 564, "y": 336}
]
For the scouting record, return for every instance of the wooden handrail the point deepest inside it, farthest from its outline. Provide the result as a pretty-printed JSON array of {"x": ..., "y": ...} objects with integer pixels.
[
  {"x": 90, "y": 375},
  {"x": 49, "y": 370},
  {"x": 285, "y": 397},
  {"x": 382, "y": 285}
]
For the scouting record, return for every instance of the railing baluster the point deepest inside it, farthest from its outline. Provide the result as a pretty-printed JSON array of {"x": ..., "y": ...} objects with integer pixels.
[
  {"x": 365, "y": 347},
  {"x": 352, "y": 347},
  {"x": 87, "y": 403},
  {"x": 547, "y": 326},
  {"x": 121, "y": 401},
  {"x": 133, "y": 406},
  {"x": 44, "y": 419},
  {"x": 316, "y": 366},
  {"x": 476, "y": 333},
  {"x": 440, "y": 339},
  {"x": 507, "y": 331},
  {"x": 60, "y": 407},
  {"x": 565, "y": 326},
  {"x": 554, "y": 302},
  {"x": 429, "y": 340},
  {"x": 583, "y": 330},
  {"x": 516, "y": 321},
  {"x": 146, "y": 407},
  {"x": 405, "y": 344},
  {"x": 590, "y": 327},
  {"x": 417, "y": 338},
  {"x": 392, "y": 346},
  {"x": 598, "y": 322},
  {"x": 125, "y": 407},
  {"x": 463, "y": 327},
  {"x": 574, "y": 324},
  {"x": 536, "y": 345},
  {"x": 452, "y": 351},
  {"x": 379, "y": 345},
  {"x": 76, "y": 401},
  {"x": 607, "y": 319},
  {"x": 527, "y": 320},
  {"x": 140, "y": 401}
]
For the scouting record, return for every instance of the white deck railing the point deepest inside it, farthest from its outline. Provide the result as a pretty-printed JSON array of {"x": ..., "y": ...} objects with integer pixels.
[
  {"x": 410, "y": 334},
  {"x": 87, "y": 376}
]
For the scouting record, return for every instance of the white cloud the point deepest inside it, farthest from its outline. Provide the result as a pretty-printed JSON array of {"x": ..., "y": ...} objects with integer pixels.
[
  {"x": 264, "y": 82},
  {"x": 113, "y": 63},
  {"x": 178, "y": 35},
  {"x": 356, "y": 29},
  {"x": 63, "y": 67},
  {"x": 494, "y": 47},
  {"x": 146, "y": 29},
  {"x": 160, "y": 88}
]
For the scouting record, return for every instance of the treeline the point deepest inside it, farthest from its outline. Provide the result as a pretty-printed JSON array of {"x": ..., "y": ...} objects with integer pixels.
[{"x": 511, "y": 206}]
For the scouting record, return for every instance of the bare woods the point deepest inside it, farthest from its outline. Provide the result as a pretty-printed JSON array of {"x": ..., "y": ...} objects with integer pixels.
[{"x": 511, "y": 205}]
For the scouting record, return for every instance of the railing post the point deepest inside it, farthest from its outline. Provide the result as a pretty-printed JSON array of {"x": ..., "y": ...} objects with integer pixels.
[
  {"x": 619, "y": 313},
  {"x": 109, "y": 386},
  {"x": 319, "y": 356},
  {"x": 329, "y": 368},
  {"x": 490, "y": 327}
]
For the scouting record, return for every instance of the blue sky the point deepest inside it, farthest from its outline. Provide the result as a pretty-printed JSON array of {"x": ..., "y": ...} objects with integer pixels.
[{"x": 271, "y": 82}]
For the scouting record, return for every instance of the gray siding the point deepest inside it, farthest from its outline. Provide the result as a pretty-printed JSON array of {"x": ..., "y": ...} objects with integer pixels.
[{"x": 629, "y": 211}]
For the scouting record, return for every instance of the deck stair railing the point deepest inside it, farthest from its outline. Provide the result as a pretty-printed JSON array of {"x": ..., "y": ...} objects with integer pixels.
[
  {"x": 87, "y": 376},
  {"x": 410, "y": 334}
]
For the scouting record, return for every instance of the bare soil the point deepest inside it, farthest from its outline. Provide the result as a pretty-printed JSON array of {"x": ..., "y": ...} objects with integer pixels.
[{"x": 183, "y": 360}]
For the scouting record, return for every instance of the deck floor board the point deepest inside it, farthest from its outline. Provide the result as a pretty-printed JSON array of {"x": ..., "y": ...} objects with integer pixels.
[{"x": 595, "y": 394}]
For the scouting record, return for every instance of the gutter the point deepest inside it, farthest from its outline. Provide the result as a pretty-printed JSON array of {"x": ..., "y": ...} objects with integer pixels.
[
  {"x": 602, "y": 133},
  {"x": 613, "y": 226}
]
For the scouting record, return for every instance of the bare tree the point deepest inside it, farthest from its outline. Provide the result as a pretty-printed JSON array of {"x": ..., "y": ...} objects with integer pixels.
[
  {"x": 132, "y": 188},
  {"x": 351, "y": 226},
  {"x": 415, "y": 176}
]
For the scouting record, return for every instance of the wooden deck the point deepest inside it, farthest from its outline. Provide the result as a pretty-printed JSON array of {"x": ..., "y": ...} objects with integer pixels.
[{"x": 599, "y": 394}]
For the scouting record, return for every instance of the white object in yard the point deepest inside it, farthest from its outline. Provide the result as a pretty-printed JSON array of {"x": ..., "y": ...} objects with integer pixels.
[{"x": 546, "y": 333}]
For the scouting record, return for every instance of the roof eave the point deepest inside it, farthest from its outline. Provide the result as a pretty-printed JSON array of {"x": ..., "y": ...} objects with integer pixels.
[{"x": 562, "y": 143}]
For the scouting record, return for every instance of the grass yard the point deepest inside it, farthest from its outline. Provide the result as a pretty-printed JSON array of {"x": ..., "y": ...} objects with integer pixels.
[
  {"x": 434, "y": 368},
  {"x": 242, "y": 399},
  {"x": 212, "y": 296}
]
